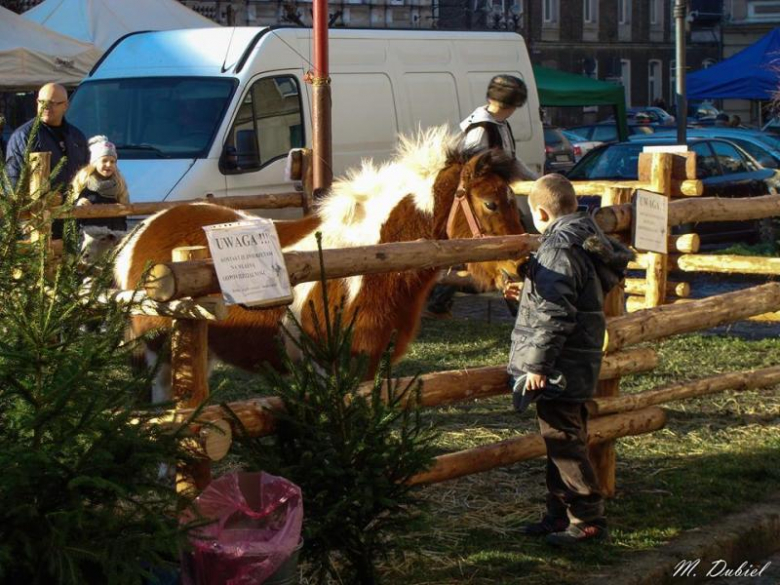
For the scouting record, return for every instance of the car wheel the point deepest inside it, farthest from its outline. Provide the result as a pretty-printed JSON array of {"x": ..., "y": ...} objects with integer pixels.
[{"x": 767, "y": 231}]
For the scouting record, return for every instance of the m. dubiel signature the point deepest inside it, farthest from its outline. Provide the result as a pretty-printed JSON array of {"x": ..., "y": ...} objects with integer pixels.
[{"x": 719, "y": 568}]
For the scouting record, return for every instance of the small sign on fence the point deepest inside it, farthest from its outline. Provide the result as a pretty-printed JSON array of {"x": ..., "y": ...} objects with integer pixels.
[
  {"x": 651, "y": 225},
  {"x": 249, "y": 263}
]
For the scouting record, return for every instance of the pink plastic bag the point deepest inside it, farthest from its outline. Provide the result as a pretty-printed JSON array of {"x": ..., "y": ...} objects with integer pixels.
[{"x": 258, "y": 526}]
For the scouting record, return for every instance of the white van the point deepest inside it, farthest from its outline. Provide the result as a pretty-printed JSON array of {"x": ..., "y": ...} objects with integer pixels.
[{"x": 215, "y": 111}]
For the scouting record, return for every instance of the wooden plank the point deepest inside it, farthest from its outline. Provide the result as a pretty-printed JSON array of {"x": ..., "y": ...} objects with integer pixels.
[
  {"x": 189, "y": 373},
  {"x": 487, "y": 457},
  {"x": 683, "y": 166},
  {"x": 197, "y": 278},
  {"x": 739, "y": 381},
  {"x": 668, "y": 320},
  {"x": 438, "y": 388}
]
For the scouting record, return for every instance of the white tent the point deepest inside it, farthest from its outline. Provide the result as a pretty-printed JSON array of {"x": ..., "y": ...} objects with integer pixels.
[
  {"x": 101, "y": 22},
  {"x": 31, "y": 55}
]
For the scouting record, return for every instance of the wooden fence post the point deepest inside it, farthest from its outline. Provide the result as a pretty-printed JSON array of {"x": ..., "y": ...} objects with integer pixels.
[
  {"x": 40, "y": 171},
  {"x": 657, "y": 268},
  {"x": 189, "y": 372},
  {"x": 603, "y": 455}
]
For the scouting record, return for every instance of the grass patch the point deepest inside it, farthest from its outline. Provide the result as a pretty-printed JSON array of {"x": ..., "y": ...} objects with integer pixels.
[
  {"x": 716, "y": 455},
  {"x": 748, "y": 250}
]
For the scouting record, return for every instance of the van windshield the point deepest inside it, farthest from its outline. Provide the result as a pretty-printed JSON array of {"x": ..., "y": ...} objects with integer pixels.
[{"x": 148, "y": 118}]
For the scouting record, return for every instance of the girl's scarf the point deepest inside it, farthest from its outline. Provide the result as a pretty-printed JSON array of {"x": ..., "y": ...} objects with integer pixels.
[{"x": 106, "y": 187}]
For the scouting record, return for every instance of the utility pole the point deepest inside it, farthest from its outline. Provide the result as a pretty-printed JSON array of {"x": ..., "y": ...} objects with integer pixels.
[
  {"x": 321, "y": 102},
  {"x": 680, "y": 16}
]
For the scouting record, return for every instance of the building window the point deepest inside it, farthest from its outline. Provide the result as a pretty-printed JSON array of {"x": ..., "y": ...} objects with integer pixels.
[
  {"x": 589, "y": 11},
  {"x": 655, "y": 12},
  {"x": 766, "y": 10},
  {"x": 625, "y": 78},
  {"x": 550, "y": 11},
  {"x": 654, "y": 81},
  {"x": 624, "y": 11}
]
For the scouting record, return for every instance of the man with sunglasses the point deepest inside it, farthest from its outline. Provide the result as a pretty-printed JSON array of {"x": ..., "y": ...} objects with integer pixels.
[{"x": 55, "y": 135}]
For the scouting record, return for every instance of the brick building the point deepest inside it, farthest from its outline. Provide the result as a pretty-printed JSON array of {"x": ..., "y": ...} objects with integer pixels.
[{"x": 350, "y": 13}]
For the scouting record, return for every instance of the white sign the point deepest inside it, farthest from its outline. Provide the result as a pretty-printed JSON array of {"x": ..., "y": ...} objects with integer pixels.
[
  {"x": 249, "y": 263},
  {"x": 651, "y": 221}
]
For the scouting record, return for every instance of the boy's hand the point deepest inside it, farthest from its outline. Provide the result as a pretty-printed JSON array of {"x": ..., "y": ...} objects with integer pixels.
[
  {"x": 512, "y": 291},
  {"x": 535, "y": 381}
]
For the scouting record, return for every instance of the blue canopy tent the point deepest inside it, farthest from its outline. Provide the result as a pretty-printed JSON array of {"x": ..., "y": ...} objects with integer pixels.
[{"x": 751, "y": 74}]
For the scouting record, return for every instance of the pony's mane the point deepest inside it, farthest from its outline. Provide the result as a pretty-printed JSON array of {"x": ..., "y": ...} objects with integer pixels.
[
  {"x": 412, "y": 170},
  {"x": 493, "y": 161},
  {"x": 359, "y": 204}
]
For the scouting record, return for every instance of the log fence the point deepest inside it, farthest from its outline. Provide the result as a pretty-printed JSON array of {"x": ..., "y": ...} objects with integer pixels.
[{"x": 184, "y": 289}]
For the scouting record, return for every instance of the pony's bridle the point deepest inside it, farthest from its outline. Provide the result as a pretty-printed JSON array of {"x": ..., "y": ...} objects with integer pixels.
[{"x": 461, "y": 200}]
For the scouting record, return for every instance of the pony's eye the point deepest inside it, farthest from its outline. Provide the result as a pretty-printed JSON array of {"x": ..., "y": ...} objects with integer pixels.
[{"x": 491, "y": 205}]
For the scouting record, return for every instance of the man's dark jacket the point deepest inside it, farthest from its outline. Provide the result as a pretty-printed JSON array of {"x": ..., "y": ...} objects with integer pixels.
[
  {"x": 76, "y": 150},
  {"x": 560, "y": 323}
]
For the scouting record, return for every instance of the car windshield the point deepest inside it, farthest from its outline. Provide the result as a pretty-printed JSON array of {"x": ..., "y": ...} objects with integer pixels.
[
  {"x": 619, "y": 161},
  {"x": 151, "y": 118}
]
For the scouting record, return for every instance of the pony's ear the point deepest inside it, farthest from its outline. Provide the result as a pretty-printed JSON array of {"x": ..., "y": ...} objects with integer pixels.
[
  {"x": 484, "y": 163},
  {"x": 517, "y": 172}
]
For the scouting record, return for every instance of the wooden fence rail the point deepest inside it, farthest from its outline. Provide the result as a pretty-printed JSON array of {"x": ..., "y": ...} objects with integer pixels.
[
  {"x": 438, "y": 388},
  {"x": 664, "y": 173}
]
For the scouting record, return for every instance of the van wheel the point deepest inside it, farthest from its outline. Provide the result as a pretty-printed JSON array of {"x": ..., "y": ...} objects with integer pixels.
[{"x": 767, "y": 231}]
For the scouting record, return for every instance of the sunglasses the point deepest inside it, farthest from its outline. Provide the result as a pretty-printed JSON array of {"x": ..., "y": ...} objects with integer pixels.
[{"x": 46, "y": 103}]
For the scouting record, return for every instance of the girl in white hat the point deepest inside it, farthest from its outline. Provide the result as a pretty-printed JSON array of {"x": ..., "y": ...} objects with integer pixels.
[{"x": 100, "y": 182}]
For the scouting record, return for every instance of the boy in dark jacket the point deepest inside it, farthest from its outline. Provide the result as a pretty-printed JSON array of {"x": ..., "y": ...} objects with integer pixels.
[{"x": 557, "y": 349}]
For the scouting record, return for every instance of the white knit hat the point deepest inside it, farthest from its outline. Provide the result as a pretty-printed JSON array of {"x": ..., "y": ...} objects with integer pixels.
[{"x": 99, "y": 146}]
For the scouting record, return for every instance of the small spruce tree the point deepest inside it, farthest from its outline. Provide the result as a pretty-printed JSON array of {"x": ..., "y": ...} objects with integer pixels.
[
  {"x": 80, "y": 498},
  {"x": 350, "y": 452}
]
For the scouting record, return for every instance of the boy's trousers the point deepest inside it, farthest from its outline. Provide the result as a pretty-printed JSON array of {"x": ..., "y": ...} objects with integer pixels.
[{"x": 571, "y": 482}]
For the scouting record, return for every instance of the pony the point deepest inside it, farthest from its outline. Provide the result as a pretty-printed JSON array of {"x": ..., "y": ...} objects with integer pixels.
[{"x": 411, "y": 197}]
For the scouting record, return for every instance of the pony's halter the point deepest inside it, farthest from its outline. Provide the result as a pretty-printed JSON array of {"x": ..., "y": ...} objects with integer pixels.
[{"x": 461, "y": 200}]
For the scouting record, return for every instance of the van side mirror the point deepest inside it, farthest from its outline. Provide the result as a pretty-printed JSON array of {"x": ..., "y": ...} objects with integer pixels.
[{"x": 229, "y": 158}]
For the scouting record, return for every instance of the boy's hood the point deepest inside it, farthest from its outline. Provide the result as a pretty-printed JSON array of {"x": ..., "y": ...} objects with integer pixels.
[
  {"x": 478, "y": 115},
  {"x": 609, "y": 256}
]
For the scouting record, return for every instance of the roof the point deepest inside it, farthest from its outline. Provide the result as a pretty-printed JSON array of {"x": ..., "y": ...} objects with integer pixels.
[
  {"x": 102, "y": 23},
  {"x": 557, "y": 88},
  {"x": 32, "y": 55},
  {"x": 750, "y": 74}
]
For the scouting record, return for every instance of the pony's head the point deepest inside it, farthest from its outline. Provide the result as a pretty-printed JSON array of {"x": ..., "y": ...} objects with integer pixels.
[{"x": 484, "y": 205}]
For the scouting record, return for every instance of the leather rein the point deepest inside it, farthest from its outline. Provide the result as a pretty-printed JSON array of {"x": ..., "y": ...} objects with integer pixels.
[{"x": 461, "y": 201}]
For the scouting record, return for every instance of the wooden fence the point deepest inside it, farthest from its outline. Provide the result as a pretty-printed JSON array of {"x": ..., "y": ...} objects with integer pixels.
[{"x": 180, "y": 289}]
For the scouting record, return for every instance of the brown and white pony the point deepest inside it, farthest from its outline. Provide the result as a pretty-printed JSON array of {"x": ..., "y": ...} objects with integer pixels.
[{"x": 409, "y": 198}]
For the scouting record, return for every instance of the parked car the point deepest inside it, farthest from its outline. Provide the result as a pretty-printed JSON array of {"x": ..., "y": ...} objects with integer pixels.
[
  {"x": 702, "y": 111},
  {"x": 607, "y": 132},
  {"x": 765, "y": 148},
  {"x": 581, "y": 145},
  {"x": 656, "y": 116},
  {"x": 723, "y": 167},
  {"x": 559, "y": 152}
]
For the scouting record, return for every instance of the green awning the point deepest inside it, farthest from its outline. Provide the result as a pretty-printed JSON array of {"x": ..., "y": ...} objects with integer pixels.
[{"x": 557, "y": 88}]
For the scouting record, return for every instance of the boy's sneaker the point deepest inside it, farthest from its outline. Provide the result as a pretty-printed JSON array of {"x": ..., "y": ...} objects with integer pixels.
[
  {"x": 577, "y": 533},
  {"x": 548, "y": 525}
]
